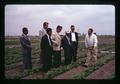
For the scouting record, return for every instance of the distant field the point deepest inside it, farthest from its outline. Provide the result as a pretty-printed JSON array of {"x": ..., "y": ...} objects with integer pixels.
[{"x": 13, "y": 59}]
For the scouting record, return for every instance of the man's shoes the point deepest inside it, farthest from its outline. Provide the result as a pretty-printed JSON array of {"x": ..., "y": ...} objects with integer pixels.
[
  {"x": 42, "y": 74},
  {"x": 86, "y": 66}
]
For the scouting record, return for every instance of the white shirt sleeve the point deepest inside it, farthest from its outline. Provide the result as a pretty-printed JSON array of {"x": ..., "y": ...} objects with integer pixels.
[
  {"x": 40, "y": 34},
  {"x": 86, "y": 45},
  {"x": 95, "y": 41}
]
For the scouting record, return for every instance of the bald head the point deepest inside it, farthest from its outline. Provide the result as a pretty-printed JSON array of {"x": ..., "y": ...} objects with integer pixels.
[{"x": 45, "y": 25}]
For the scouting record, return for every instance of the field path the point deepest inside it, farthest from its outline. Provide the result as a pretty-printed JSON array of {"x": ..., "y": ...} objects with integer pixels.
[
  {"x": 34, "y": 60},
  {"x": 103, "y": 72},
  {"x": 13, "y": 72},
  {"x": 16, "y": 45},
  {"x": 19, "y": 69},
  {"x": 69, "y": 74},
  {"x": 35, "y": 76}
]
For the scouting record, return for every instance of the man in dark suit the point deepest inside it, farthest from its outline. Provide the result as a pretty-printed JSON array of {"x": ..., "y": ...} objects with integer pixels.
[
  {"x": 74, "y": 39},
  {"x": 66, "y": 44},
  {"x": 46, "y": 50},
  {"x": 26, "y": 49},
  {"x": 42, "y": 32}
]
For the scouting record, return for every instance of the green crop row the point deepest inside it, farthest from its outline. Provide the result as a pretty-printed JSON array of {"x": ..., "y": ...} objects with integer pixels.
[
  {"x": 91, "y": 69},
  {"x": 55, "y": 71}
]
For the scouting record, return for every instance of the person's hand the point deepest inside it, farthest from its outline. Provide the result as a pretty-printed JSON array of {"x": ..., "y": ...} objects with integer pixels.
[
  {"x": 61, "y": 48},
  {"x": 55, "y": 44},
  {"x": 93, "y": 47}
]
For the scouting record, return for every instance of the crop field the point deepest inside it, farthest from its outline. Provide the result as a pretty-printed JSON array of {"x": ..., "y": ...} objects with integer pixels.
[{"x": 104, "y": 69}]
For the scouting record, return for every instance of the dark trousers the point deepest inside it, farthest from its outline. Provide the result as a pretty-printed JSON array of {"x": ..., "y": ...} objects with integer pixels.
[
  {"x": 56, "y": 58},
  {"x": 41, "y": 58},
  {"x": 47, "y": 63},
  {"x": 68, "y": 55},
  {"x": 74, "y": 52},
  {"x": 27, "y": 64}
]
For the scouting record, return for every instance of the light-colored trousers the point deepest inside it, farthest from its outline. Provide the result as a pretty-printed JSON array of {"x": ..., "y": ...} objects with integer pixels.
[{"x": 91, "y": 58}]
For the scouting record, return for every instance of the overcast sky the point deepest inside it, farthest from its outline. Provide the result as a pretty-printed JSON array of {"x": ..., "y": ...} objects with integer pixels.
[{"x": 100, "y": 17}]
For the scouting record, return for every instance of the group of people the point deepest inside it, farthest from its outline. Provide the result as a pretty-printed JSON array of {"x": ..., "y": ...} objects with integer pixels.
[{"x": 51, "y": 45}]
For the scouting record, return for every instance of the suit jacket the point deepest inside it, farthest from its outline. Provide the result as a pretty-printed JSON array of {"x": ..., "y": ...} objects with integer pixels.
[
  {"x": 46, "y": 49},
  {"x": 25, "y": 44},
  {"x": 56, "y": 39},
  {"x": 67, "y": 48},
  {"x": 76, "y": 35},
  {"x": 65, "y": 44}
]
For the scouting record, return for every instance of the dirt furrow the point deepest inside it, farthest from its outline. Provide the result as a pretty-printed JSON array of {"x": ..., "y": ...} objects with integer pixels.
[
  {"x": 103, "y": 72},
  {"x": 69, "y": 74}
]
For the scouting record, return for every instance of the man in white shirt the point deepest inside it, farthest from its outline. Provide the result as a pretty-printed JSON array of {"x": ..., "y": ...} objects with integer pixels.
[
  {"x": 91, "y": 43},
  {"x": 42, "y": 32},
  {"x": 56, "y": 39},
  {"x": 74, "y": 42}
]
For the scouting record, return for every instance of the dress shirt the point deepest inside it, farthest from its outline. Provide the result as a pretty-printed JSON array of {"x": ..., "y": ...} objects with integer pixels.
[
  {"x": 42, "y": 32},
  {"x": 73, "y": 38},
  {"x": 91, "y": 40}
]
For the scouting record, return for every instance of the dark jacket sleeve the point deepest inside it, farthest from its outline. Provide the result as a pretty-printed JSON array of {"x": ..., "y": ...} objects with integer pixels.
[
  {"x": 62, "y": 42},
  {"x": 23, "y": 43},
  {"x": 69, "y": 35},
  {"x": 77, "y": 37},
  {"x": 43, "y": 42}
]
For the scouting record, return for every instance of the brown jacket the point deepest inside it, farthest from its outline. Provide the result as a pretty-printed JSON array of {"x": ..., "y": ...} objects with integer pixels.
[{"x": 56, "y": 39}]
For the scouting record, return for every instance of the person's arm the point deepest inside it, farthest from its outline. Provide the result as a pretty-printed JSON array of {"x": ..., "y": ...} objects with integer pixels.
[
  {"x": 24, "y": 44},
  {"x": 63, "y": 42},
  {"x": 77, "y": 38},
  {"x": 55, "y": 42},
  {"x": 40, "y": 34},
  {"x": 43, "y": 43},
  {"x": 69, "y": 35},
  {"x": 61, "y": 47},
  {"x": 86, "y": 45},
  {"x": 95, "y": 41}
]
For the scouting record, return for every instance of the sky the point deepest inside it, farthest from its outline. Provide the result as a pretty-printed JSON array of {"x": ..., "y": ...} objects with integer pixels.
[{"x": 99, "y": 17}]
